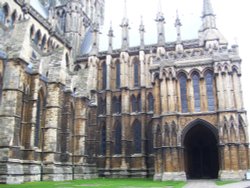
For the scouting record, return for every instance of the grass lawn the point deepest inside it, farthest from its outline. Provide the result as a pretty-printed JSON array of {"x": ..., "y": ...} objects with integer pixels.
[
  {"x": 220, "y": 183},
  {"x": 101, "y": 183}
]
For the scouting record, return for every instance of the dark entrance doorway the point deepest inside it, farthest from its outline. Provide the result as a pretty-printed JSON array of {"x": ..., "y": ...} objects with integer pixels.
[{"x": 201, "y": 152}]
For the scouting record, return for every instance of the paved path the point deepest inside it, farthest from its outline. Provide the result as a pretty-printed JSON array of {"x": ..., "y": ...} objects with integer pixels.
[{"x": 211, "y": 184}]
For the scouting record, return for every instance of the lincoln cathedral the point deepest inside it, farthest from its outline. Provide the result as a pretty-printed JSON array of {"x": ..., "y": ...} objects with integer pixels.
[{"x": 169, "y": 110}]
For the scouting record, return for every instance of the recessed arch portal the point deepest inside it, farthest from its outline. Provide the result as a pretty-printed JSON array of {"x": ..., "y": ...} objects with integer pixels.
[{"x": 200, "y": 141}]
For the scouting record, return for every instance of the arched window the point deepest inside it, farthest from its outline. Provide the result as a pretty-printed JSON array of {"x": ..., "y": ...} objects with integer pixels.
[
  {"x": 39, "y": 118},
  {"x": 37, "y": 37},
  {"x": 67, "y": 60},
  {"x": 77, "y": 68},
  {"x": 32, "y": 31},
  {"x": 62, "y": 21},
  {"x": 103, "y": 140},
  {"x": 134, "y": 103},
  {"x": 114, "y": 104},
  {"x": 102, "y": 106},
  {"x": 210, "y": 91},
  {"x": 158, "y": 137},
  {"x": 136, "y": 73},
  {"x": 104, "y": 75},
  {"x": 118, "y": 105},
  {"x": 196, "y": 88},
  {"x": 150, "y": 102},
  {"x": 183, "y": 90},
  {"x": 118, "y": 72},
  {"x": 137, "y": 136},
  {"x": 4, "y": 11},
  {"x": 118, "y": 138},
  {"x": 139, "y": 103},
  {"x": 13, "y": 18},
  {"x": 43, "y": 42}
]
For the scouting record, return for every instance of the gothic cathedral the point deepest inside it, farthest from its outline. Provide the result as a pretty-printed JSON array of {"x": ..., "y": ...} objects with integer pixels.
[{"x": 170, "y": 110}]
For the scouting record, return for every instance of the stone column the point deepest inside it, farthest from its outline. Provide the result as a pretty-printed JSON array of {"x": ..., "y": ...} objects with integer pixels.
[
  {"x": 109, "y": 76},
  {"x": 171, "y": 96},
  {"x": 125, "y": 131},
  {"x": 220, "y": 91},
  {"x": 124, "y": 57},
  {"x": 10, "y": 122},
  {"x": 142, "y": 66},
  {"x": 79, "y": 139},
  {"x": 108, "y": 130},
  {"x": 237, "y": 91}
]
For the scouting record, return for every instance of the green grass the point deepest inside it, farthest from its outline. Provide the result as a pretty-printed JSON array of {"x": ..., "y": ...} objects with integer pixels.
[
  {"x": 220, "y": 183},
  {"x": 101, "y": 183}
]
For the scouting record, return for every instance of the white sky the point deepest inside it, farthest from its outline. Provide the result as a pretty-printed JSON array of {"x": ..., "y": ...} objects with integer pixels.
[{"x": 232, "y": 20}]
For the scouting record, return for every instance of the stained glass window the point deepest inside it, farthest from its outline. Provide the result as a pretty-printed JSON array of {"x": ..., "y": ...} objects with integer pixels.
[
  {"x": 210, "y": 92},
  {"x": 183, "y": 90},
  {"x": 134, "y": 103},
  {"x": 196, "y": 88},
  {"x": 104, "y": 75},
  {"x": 136, "y": 74},
  {"x": 118, "y": 72},
  {"x": 150, "y": 102}
]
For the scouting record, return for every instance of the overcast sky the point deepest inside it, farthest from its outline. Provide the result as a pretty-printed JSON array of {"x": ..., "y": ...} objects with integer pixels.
[{"x": 232, "y": 20}]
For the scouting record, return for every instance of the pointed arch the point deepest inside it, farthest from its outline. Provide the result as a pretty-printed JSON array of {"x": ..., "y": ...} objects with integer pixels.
[
  {"x": 118, "y": 137},
  {"x": 174, "y": 133},
  {"x": 232, "y": 130},
  {"x": 137, "y": 136},
  {"x": 77, "y": 68},
  {"x": 167, "y": 134},
  {"x": 242, "y": 133},
  {"x": 225, "y": 132},
  {"x": 158, "y": 137},
  {"x": 202, "y": 123}
]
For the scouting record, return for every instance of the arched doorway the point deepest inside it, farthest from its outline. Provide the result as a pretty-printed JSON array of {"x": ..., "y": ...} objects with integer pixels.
[{"x": 201, "y": 150}]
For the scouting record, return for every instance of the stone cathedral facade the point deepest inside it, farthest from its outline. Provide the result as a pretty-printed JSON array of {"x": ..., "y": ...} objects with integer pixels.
[{"x": 171, "y": 110}]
